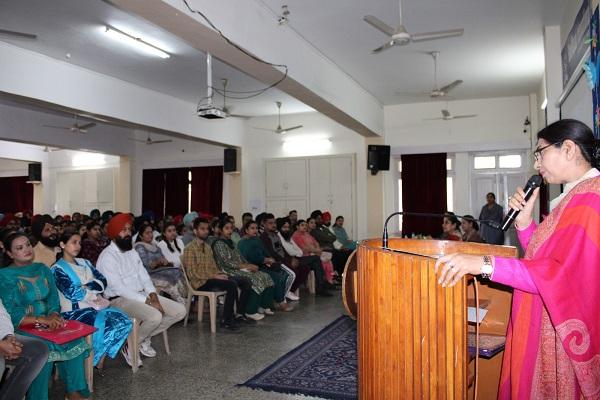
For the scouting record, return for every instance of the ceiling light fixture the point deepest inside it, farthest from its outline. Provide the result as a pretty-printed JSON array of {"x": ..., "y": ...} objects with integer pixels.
[
  {"x": 545, "y": 104},
  {"x": 136, "y": 42}
]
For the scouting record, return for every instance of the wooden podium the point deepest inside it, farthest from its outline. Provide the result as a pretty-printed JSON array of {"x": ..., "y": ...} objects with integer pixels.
[{"x": 412, "y": 333}]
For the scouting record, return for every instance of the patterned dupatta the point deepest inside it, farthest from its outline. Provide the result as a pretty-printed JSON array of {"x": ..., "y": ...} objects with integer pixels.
[{"x": 553, "y": 339}]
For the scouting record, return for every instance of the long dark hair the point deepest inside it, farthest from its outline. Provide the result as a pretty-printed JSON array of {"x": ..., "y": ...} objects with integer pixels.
[
  {"x": 141, "y": 232},
  {"x": 166, "y": 225},
  {"x": 64, "y": 238},
  {"x": 576, "y": 131}
]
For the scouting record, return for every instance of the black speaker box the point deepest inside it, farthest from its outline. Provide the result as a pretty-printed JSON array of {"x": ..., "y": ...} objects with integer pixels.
[
  {"x": 35, "y": 172},
  {"x": 231, "y": 161},
  {"x": 378, "y": 158}
]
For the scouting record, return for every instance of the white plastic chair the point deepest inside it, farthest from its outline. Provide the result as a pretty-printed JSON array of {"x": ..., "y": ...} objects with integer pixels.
[{"x": 200, "y": 294}]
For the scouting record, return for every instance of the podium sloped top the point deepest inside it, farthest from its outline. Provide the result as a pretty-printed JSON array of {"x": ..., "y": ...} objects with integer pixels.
[{"x": 436, "y": 248}]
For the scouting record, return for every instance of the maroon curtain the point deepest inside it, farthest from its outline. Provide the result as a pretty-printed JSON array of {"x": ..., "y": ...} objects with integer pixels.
[
  {"x": 423, "y": 191},
  {"x": 17, "y": 194},
  {"x": 207, "y": 190},
  {"x": 153, "y": 191},
  {"x": 176, "y": 191}
]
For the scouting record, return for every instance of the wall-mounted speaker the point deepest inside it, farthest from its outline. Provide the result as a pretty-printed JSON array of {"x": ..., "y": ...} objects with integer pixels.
[
  {"x": 378, "y": 158},
  {"x": 231, "y": 161},
  {"x": 35, "y": 173}
]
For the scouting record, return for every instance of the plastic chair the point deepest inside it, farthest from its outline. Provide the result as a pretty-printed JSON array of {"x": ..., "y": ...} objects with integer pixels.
[
  {"x": 212, "y": 302},
  {"x": 133, "y": 342},
  {"x": 310, "y": 284}
]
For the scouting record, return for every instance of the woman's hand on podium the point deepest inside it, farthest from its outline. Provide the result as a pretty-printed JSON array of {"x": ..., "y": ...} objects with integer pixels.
[{"x": 453, "y": 267}]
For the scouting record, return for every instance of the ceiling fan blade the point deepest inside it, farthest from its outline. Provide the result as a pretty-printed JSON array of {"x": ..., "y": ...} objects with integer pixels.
[
  {"x": 421, "y": 37},
  {"x": 64, "y": 128},
  {"x": 451, "y": 86},
  {"x": 433, "y": 119},
  {"x": 384, "y": 47},
  {"x": 137, "y": 140},
  {"x": 292, "y": 128},
  {"x": 379, "y": 25},
  {"x": 159, "y": 141},
  {"x": 239, "y": 116},
  {"x": 411, "y": 94},
  {"x": 18, "y": 34},
  {"x": 464, "y": 116},
  {"x": 446, "y": 114},
  {"x": 86, "y": 126},
  {"x": 264, "y": 129}
]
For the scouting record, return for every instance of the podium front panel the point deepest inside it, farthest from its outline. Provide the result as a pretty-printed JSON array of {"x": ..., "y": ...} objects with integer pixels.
[{"x": 412, "y": 333}]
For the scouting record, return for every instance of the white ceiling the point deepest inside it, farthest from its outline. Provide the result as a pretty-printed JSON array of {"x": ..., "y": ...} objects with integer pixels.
[
  {"x": 76, "y": 28},
  {"x": 500, "y": 53}
]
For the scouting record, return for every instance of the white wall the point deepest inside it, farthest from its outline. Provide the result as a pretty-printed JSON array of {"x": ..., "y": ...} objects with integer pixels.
[
  {"x": 261, "y": 145},
  {"x": 498, "y": 126}
]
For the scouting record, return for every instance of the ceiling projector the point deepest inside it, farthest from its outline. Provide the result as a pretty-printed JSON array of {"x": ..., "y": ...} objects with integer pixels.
[{"x": 211, "y": 112}]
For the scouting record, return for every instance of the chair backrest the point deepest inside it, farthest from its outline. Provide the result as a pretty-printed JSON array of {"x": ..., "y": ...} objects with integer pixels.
[{"x": 187, "y": 280}]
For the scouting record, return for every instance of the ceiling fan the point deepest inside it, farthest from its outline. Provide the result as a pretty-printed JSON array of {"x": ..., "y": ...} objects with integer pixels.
[
  {"x": 149, "y": 141},
  {"x": 20, "y": 35},
  {"x": 446, "y": 116},
  {"x": 279, "y": 130},
  {"x": 227, "y": 109},
  {"x": 436, "y": 92},
  {"x": 75, "y": 128},
  {"x": 401, "y": 37}
]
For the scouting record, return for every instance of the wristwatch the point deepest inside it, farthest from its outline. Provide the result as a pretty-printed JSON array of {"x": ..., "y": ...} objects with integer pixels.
[{"x": 487, "y": 269}]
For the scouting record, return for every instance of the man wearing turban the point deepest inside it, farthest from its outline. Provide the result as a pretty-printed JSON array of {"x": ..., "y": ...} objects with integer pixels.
[
  {"x": 130, "y": 287},
  {"x": 47, "y": 246}
]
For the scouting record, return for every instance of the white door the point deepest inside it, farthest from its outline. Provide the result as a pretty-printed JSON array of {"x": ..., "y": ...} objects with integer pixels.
[
  {"x": 295, "y": 178},
  {"x": 341, "y": 191},
  {"x": 320, "y": 184},
  {"x": 275, "y": 178}
]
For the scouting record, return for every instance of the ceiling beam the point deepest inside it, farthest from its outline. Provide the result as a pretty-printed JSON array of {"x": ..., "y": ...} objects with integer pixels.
[{"x": 312, "y": 78}]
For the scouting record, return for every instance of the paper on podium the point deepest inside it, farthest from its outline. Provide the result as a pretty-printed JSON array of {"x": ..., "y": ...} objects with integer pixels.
[{"x": 472, "y": 314}]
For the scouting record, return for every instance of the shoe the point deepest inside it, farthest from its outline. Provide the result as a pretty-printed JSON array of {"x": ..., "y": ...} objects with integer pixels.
[
  {"x": 146, "y": 348},
  {"x": 128, "y": 358},
  {"x": 292, "y": 297},
  {"x": 255, "y": 317},
  {"x": 268, "y": 311},
  {"x": 240, "y": 319},
  {"x": 284, "y": 307},
  {"x": 230, "y": 326}
]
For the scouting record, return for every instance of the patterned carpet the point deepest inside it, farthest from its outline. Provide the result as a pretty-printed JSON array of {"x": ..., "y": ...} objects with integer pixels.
[{"x": 323, "y": 366}]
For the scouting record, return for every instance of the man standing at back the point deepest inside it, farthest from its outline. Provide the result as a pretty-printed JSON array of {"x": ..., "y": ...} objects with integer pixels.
[{"x": 492, "y": 211}]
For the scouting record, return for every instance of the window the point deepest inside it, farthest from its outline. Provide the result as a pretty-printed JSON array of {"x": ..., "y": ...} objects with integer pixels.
[
  {"x": 510, "y": 161},
  {"x": 189, "y": 203},
  {"x": 484, "y": 162}
]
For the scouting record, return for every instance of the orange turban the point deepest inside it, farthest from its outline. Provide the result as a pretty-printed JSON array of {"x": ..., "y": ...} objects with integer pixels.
[
  {"x": 116, "y": 224},
  {"x": 326, "y": 217}
]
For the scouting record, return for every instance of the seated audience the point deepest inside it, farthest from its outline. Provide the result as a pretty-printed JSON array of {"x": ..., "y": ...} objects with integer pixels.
[
  {"x": 312, "y": 261},
  {"x": 214, "y": 232},
  {"x": 165, "y": 276},
  {"x": 253, "y": 250},
  {"x": 274, "y": 246},
  {"x": 310, "y": 247},
  {"x": 44, "y": 230},
  {"x": 245, "y": 218},
  {"x": 450, "y": 227},
  {"x": 82, "y": 230},
  {"x": 188, "y": 221},
  {"x": 130, "y": 287},
  {"x": 327, "y": 239},
  {"x": 25, "y": 354},
  {"x": 170, "y": 245},
  {"x": 230, "y": 261},
  {"x": 342, "y": 235},
  {"x": 470, "y": 230},
  {"x": 94, "y": 243},
  {"x": 235, "y": 236},
  {"x": 204, "y": 275},
  {"x": 293, "y": 217},
  {"x": 80, "y": 287},
  {"x": 28, "y": 292},
  {"x": 95, "y": 214}
]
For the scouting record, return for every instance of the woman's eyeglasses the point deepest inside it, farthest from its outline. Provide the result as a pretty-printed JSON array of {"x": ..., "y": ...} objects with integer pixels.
[{"x": 537, "y": 154}]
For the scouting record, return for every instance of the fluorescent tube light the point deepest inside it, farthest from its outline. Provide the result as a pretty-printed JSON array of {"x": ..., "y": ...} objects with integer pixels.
[
  {"x": 545, "y": 104},
  {"x": 136, "y": 42}
]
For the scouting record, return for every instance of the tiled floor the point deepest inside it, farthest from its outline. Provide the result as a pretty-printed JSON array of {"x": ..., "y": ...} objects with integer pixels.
[{"x": 205, "y": 366}]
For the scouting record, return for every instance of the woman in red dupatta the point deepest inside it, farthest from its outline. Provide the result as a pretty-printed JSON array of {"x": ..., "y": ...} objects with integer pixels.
[{"x": 553, "y": 339}]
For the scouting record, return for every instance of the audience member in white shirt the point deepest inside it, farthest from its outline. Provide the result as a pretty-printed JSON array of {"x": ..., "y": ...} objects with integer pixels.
[
  {"x": 130, "y": 287},
  {"x": 170, "y": 245}
]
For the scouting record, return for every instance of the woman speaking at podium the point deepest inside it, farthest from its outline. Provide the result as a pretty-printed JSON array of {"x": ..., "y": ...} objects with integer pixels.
[{"x": 553, "y": 339}]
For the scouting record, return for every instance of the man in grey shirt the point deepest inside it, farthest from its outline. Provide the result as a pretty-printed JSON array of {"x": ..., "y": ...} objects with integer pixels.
[{"x": 27, "y": 355}]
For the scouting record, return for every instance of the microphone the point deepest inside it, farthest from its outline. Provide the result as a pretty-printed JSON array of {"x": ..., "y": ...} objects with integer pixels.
[
  {"x": 534, "y": 182},
  {"x": 384, "y": 241}
]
